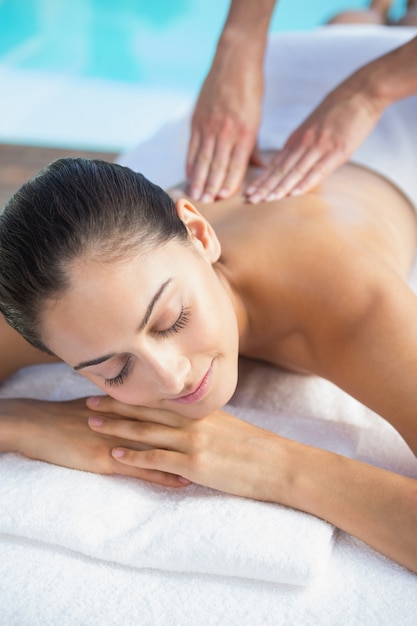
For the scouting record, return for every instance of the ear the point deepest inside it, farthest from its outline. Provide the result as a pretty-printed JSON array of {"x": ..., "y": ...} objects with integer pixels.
[{"x": 201, "y": 232}]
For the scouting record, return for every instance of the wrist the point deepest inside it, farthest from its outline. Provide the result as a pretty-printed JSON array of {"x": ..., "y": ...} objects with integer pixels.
[
  {"x": 246, "y": 49},
  {"x": 10, "y": 425}
]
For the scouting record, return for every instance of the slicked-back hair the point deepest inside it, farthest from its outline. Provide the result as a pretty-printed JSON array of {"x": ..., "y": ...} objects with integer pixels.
[{"x": 74, "y": 209}]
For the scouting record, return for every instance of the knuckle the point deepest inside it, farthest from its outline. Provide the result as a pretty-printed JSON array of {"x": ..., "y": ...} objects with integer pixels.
[
  {"x": 155, "y": 456},
  {"x": 309, "y": 137},
  {"x": 203, "y": 158},
  {"x": 197, "y": 441}
]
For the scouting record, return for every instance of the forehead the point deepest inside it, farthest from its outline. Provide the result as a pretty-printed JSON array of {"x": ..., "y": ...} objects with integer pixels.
[{"x": 103, "y": 296}]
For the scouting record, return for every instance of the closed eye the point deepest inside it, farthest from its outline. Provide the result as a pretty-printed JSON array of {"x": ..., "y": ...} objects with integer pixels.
[
  {"x": 121, "y": 377},
  {"x": 180, "y": 323}
]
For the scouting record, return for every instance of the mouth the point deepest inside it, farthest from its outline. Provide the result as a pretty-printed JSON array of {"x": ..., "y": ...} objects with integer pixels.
[{"x": 200, "y": 390}]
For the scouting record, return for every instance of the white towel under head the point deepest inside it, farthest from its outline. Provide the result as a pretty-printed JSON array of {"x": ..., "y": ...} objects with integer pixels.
[{"x": 127, "y": 521}]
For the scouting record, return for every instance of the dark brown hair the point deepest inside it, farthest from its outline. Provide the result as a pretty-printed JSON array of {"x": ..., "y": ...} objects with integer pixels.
[{"x": 74, "y": 208}]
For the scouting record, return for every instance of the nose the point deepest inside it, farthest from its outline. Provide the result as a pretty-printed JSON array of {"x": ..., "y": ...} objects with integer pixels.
[{"x": 169, "y": 368}]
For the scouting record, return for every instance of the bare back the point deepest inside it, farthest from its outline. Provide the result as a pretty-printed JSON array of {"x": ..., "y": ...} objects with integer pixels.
[{"x": 310, "y": 271}]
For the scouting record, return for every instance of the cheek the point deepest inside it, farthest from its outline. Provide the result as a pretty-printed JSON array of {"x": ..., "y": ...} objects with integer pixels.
[{"x": 126, "y": 393}]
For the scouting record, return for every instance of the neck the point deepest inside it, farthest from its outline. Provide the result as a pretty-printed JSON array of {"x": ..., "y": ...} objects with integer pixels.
[{"x": 225, "y": 277}]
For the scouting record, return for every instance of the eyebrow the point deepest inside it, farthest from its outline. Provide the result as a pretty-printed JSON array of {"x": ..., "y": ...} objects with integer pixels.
[{"x": 141, "y": 326}]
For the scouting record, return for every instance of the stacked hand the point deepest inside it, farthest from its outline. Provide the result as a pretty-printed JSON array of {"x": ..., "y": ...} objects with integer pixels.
[{"x": 219, "y": 451}]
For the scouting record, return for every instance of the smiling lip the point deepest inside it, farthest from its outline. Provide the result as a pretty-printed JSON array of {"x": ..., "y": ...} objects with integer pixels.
[{"x": 200, "y": 391}]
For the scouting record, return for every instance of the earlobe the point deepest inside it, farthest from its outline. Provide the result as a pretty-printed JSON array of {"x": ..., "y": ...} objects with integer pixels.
[{"x": 200, "y": 230}]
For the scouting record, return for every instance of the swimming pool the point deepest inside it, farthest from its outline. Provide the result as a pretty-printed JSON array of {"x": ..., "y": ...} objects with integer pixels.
[{"x": 105, "y": 73}]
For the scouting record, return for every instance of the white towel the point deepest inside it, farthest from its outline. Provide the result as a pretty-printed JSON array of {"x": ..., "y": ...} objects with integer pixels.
[
  {"x": 49, "y": 579},
  {"x": 133, "y": 523}
]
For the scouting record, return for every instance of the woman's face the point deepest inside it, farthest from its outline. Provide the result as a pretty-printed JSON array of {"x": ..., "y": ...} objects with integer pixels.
[{"x": 157, "y": 329}]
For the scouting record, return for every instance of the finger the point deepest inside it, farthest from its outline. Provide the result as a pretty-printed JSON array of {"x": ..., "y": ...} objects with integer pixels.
[
  {"x": 218, "y": 170},
  {"x": 286, "y": 185},
  {"x": 165, "y": 479},
  {"x": 317, "y": 174},
  {"x": 161, "y": 461},
  {"x": 276, "y": 171},
  {"x": 153, "y": 435},
  {"x": 236, "y": 170},
  {"x": 106, "y": 404},
  {"x": 201, "y": 167},
  {"x": 193, "y": 147}
]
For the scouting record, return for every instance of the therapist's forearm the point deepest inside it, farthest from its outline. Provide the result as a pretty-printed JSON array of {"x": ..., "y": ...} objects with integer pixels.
[
  {"x": 247, "y": 25},
  {"x": 389, "y": 78}
]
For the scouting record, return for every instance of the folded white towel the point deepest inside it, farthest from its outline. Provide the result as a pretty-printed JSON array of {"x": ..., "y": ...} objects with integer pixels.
[{"x": 129, "y": 522}]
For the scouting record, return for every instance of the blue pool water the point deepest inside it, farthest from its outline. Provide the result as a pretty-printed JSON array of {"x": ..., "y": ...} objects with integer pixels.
[{"x": 162, "y": 48}]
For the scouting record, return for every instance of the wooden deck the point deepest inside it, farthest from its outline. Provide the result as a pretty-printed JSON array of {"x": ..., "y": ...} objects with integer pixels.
[{"x": 18, "y": 163}]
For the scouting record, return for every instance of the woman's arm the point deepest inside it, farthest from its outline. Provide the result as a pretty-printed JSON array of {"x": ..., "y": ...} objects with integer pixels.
[
  {"x": 228, "y": 454},
  {"x": 55, "y": 432},
  {"x": 367, "y": 343},
  {"x": 58, "y": 433}
]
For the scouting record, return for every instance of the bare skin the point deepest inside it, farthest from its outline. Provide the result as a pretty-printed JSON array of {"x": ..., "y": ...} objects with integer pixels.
[
  {"x": 354, "y": 240},
  {"x": 227, "y": 113}
]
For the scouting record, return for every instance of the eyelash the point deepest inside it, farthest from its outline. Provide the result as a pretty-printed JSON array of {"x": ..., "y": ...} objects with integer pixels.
[
  {"x": 121, "y": 377},
  {"x": 180, "y": 323}
]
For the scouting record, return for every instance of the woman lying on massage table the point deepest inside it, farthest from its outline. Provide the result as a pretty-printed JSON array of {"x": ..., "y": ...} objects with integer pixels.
[{"x": 153, "y": 303}]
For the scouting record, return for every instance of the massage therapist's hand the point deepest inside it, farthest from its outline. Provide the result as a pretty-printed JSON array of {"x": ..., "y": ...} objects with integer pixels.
[
  {"x": 219, "y": 451},
  {"x": 58, "y": 433},
  {"x": 325, "y": 140},
  {"x": 224, "y": 129}
]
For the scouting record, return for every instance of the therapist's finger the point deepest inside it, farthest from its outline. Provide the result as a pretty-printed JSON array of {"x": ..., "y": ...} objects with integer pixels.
[
  {"x": 193, "y": 147},
  {"x": 201, "y": 167},
  {"x": 310, "y": 173},
  {"x": 237, "y": 167},
  {"x": 312, "y": 159},
  {"x": 317, "y": 174},
  {"x": 217, "y": 170},
  {"x": 277, "y": 170}
]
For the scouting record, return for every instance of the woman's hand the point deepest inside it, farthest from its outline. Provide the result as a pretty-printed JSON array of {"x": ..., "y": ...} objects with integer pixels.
[
  {"x": 219, "y": 451},
  {"x": 326, "y": 140},
  {"x": 58, "y": 433}
]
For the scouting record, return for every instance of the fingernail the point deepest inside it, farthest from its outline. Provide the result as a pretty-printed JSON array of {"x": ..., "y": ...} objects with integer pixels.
[
  {"x": 194, "y": 194},
  {"x": 223, "y": 193},
  {"x": 296, "y": 192},
  {"x": 118, "y": 453},
  {"x": 250, "y": 190},
  {"x": 96, "y": 421},
  {"x": 270, "y": 197},
  {"x": 93, "y": 401},
  {"x": 184, "y": 481},
  {"x": 255, "y": 198},
  {"x": 206, "y": 197}
]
